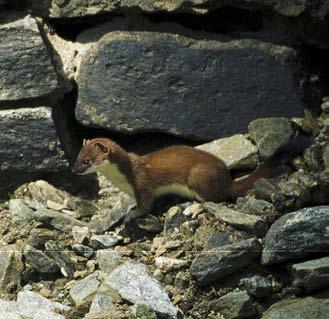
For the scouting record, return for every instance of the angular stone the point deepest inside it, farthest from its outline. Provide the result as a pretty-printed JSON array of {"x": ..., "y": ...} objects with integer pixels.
[
  {"x": 250, "y": 223},
  {"x": 170, "y": 264},
  {"x": 11, "y": 268},
  {"x": 80, "y": 234},
  {"x": 21, "y": 214},
  {"x": 101, "y": 302},
  {"x": 108, "y": 260},
  {"x": 297, "y": 235},
  {"x": 235, "y": 151},
  {"x": 316, "y": 306},
  {"x": 134, "y": 283},
  {"x": 83, "y": 250},
  {"x": 234, "y": 305},
  {"x": 27, "y": 72},
  {"x": 29, "y": 142},
  {"x": 311, "y": 274},
  {"x": 270, "y": 133},
  {"x": 105, "y": 241},
  {"x": 59, "y": 221},
  {"x": 257, "y": 286},
  {"x": 39, "y": 261},
  {"x": 135, "y": 81},
  {"x": 213, "y": 264},
  {"x": 84, "y": 290}
]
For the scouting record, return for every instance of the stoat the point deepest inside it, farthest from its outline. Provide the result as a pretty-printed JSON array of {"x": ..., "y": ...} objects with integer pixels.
[{"x": 181, "y": 170}]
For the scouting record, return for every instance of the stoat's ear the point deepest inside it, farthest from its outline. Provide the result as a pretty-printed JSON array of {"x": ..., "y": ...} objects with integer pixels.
[
  {"x": 102, "y": 148},
  {"x": 85, "y": 142}
]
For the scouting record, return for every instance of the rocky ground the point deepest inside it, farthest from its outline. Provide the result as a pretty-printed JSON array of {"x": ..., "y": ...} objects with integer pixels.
[{"x": 65, "y": 254}]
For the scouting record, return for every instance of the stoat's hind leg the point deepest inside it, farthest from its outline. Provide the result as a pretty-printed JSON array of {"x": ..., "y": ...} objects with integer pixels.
[{"x": 144, "y": 206}]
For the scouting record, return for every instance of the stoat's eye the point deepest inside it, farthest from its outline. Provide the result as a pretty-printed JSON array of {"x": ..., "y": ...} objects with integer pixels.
[{"x": 86, "y": 161}]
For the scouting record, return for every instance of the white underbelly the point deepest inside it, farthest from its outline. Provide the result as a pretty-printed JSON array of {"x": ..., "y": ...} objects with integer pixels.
[
  {"x": 112, "y": 172},
  {"x": 178, "y": 189}
]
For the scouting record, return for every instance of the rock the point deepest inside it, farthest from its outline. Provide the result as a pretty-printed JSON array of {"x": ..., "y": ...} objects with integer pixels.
[
  {"x": 137, "y": 81},
  {"x": 270, "y": 133},
  {"x": 32, "y": 305},
  {"x": 257, "y": 286},
  {"x": 182, "y": 280},
  {"x": 79, "y": 8},
  {"x": 297, "y": 235},
  {"x": 85, "y": 289},
  {"x": 211, "y": 265},
  {"x": 61, "y": 258},
  {"x": 39, "y": 261},
  {"x": 29, "y": 141},
  {"x": 264, "y": 189},
  {"x": 101, "y": 302},
  {"x": 83, "y": 250},
  {"x": 143, "y": 312},
  {"x": 105, "y": 241},
  {"x": 258, "y": 207},
  {"x": 21, "y": 214},
  {"x": 11, "y": 268},
  {"x": 41, "y": 191},
  {"x": 234, "y": 305},
  {"x": 325, "y": 157},
  {"x": 80, "y": 233},
  {"x": 174, "y": 218},
  {"x": 109, "y": 218},
  {"x": 25, "y": 73},
  {"x": 235, "y": 151},
  {"x": 217, "y": 240},
  {"x": 108, "y": 260},
  {"x": 325, "y": 106},
  {"x": 316, "y": 306},
  {"x": 134, "y": 283},
  {"x": 169, "y": 264},
  {"x": 311, "y": 274},
  {"x": 250, "y": 223},
  {"x": 37, "y": 237},
  {"x": 57, "y": 220}
]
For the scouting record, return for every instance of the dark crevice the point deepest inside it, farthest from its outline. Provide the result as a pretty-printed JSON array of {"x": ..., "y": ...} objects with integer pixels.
[{"x": 225, "y": 20}]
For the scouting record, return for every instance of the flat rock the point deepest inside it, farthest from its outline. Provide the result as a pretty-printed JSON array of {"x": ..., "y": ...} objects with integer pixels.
[
  {"x": 134, "y": 283},
  {"x": 311, "y": 274},
  {"x": 83, "y": 250},
  {"x": 21, "y": 213},
  {"x": 137, "y": 81},
  {"x": 108, "y": 260},
  {"x": 211, "y": 265},
  {"x": 250, "y": 223},
  {"x": 236, "y": 151},
  {"x": 297, "y": 235},
  {"x": 270, "y": 133},
  {"x": 80, "y": 8},
  {"x": 85, "y": 289},
  {"x": 316, "y": 306},
  {"x": 234, "y": 305},
  {"x": 29, "y": 141},
  {"x": 257, "y": 286},
  {"x": 11, "y": 268},
  {"x": 57, "y": 220},
  {"x": 105, "y": 241},
  {"x": 27, "y": 72}
]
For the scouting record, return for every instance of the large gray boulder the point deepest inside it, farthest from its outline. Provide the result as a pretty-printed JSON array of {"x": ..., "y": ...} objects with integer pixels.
[
  {"x": 137, "y": 81},
  {"x": 26, "y": 67},
  {"x": 28, "y": 141},
  {"x": 78, "y": 8},
  {"x": 297, "y": 235}
]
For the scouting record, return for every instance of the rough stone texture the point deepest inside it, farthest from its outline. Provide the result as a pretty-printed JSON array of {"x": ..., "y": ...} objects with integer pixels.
[
  {"x": 257, "y": 286},
  {"x": 11, "y": 268},
  {"x": 134, "y": 283},
  {"x": 26, "y": 72},
  {"x": 213, "y": 264},
  {"x": 234, "y": 305},
  {"x": 269, "y": 134},
  {"x": 235, "y": 151},
  {"x": 78, "y": 8},
  {"x": 251, "y": 223},
  {"x": 28, "y": 141},
  {"x": 58, "y": 220},
  {"x": 311, "y": 274},
  {"x": 85, "y": 289},
  {"x": 108, "y": 260},
  {"x": 136, "y": 81},
  {"x": 21, "y": 214},
  {"x": 303, "y": 308},
  {"x": 297, "y": 235}
]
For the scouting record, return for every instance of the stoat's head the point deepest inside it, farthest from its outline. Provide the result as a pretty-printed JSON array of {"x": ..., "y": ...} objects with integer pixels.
[{"x": 92, "y": 156}]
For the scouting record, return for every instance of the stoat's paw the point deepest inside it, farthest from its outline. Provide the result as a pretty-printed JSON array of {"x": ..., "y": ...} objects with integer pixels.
[{"x": 133, "y": 214}]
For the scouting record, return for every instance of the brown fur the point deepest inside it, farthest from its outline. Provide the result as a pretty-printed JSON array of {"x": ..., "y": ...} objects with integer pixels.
[{"x": 201, "y": 172}]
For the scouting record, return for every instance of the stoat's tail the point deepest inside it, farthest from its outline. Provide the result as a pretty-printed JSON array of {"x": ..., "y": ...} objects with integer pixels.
[{"x": 285, "y": 154}]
